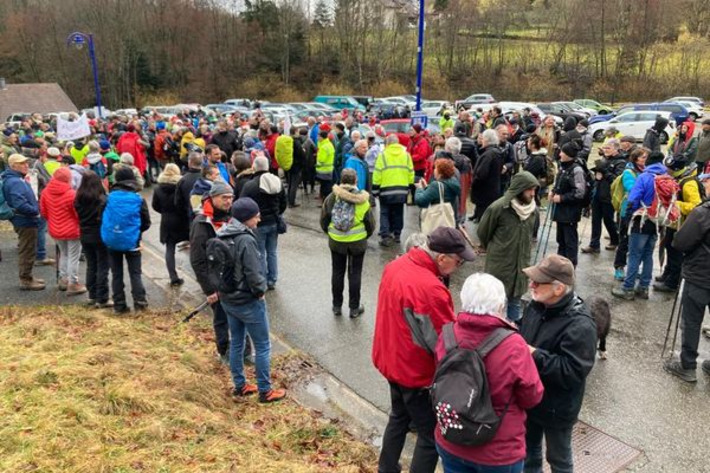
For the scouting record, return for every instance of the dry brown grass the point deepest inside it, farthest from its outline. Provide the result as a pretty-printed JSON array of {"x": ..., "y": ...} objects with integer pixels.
[{"x": 84, "y": 391}]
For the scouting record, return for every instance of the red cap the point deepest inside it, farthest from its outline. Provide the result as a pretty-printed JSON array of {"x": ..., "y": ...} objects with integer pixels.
[{"x": 324, "y": 127}]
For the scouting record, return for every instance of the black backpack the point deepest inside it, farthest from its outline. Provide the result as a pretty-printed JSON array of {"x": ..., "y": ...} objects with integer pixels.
[
  {"x": 460, "y": 394},
  {"x": 220, "y": 262}
]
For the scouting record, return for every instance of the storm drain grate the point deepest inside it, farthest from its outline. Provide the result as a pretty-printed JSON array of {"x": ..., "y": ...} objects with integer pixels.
[{"x": 597, "y": 452}]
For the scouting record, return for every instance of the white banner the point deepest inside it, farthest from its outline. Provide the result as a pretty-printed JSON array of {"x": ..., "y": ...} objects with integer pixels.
[{"x": 67, "y": 130}]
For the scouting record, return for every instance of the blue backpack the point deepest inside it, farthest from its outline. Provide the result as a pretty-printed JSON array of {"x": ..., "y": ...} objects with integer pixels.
[{"x": 121, "y": 221}]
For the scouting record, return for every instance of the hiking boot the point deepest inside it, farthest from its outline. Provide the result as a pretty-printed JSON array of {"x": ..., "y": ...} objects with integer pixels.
[
  {"x": 623, "y": 293},
  {"x": 619, "y": 274},
  {"x": 397, "y": 239},
  {"x": 610, "y": 247},
  {"x": 121, "y": 309},
  {"x": 90, "y": 302},
  {"x": 355, "y": 313},
  {"x": 45, "y": 262},
  {"x": 246, "y": 390},
  {"x": 641, "y": 292},
  {"x": 75, "y": 289},
  {"x": 337, "y": 311},
  {"x": 590, "y": 250},
  {"x": 661, "y": 278},
  {"x": 32, "y": 285},
  {"x": 662, "y": 287},
  {"x": 274, "y": 395},
  {"x": 104, "y": 305},
  {"x": 387, "y": 242},
  {"x": 706, "y": 367},
  {"x": 62, "y": 284},
  {"x": 271, "y": 286},
  {"x": 140, "y": 305},
  {"x": 177, "y": 282},
  {"x": 675, "y": 367}
]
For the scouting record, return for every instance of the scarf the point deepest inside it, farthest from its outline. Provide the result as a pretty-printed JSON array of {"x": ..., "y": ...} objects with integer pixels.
[{"x": 523, "y": 210}]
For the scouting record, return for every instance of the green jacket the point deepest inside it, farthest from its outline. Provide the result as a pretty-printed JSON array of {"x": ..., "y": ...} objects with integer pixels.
[
  {"x": 507, "y": 239},
  {"x": 426, "y": 197}
]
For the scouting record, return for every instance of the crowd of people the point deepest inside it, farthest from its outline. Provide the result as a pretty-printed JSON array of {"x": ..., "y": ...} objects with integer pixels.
[{"x": 223, "y": 184}]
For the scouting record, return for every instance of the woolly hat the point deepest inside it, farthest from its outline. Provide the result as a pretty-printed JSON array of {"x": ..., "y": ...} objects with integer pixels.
[
  {"x": 244, "y": 208},
  {"x": 105, "y": 145},
  {"x": 62, "y": 174},
  {"x": 124, "y": 174},
  {"x": 570, "y": 149},
  {"x": 220, "y": 187}
]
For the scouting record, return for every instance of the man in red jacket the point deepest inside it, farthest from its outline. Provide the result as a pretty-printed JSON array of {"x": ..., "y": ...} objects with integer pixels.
[
  {"x": 413, "y": 304},
  {"x": 420, "y": 151}
]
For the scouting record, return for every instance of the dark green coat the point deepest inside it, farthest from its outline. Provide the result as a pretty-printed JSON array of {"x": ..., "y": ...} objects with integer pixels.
[{"x": 507, "y": 239}]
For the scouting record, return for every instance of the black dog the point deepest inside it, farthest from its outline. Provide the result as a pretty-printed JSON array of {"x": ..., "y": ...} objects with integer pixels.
[{"x": 601, "y": 313}]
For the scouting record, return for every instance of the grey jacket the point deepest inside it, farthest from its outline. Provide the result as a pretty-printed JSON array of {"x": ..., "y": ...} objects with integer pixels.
[{"x": 249, "y": 279}]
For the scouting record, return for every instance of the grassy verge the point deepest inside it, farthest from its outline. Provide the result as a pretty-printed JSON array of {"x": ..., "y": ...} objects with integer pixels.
[{"x": 84, "y": 391}]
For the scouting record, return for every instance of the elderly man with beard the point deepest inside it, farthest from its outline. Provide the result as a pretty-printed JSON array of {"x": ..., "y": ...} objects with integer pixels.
[{"x": 506, "y": 232}]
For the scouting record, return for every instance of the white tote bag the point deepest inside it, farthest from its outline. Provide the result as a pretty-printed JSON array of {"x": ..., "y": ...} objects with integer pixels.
[{"x": 438, "y": 215}]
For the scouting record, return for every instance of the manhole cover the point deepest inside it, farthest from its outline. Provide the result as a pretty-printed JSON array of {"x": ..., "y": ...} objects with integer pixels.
[{"x": 597, "y": 452}]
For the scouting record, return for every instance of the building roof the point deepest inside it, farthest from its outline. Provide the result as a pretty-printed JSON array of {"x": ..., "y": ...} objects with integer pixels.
[{"x": 31, "y": 98}]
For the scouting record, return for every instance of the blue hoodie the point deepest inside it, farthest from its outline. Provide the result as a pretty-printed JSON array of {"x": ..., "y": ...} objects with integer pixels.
[{"x": 644, "y": 188}]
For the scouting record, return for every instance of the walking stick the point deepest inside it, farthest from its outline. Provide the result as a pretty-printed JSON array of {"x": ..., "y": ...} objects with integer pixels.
[
  {"x": 678, "y": 304},
  {"x": 56, "y": 268},
  {"x": 545, "y": 234},
  {"x": 195, "y": 311}
]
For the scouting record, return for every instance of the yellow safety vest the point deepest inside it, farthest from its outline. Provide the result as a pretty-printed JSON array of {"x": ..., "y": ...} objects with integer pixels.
[
  {"x": 325, "y": 159},
  {"x": 357, "y": 232},
  {"x": 394, "y": 171}
]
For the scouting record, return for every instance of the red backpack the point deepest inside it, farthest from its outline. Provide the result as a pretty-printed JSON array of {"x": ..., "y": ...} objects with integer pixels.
[{"x": 663, "y": 210}]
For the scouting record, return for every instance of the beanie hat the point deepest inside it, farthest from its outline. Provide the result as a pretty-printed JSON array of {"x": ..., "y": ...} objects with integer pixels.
[
  {"x": 62, "y": 174},
  {"x": 220, "y": 187},
  {"x": 244, "y": 209},
  {"x": 104, "y": 145},
  {"x": 570, "y": 149},
  {"x": 124, "y": 174},
  {"x": 417, "y": 127},
  {"x": 654, "y": 158}
]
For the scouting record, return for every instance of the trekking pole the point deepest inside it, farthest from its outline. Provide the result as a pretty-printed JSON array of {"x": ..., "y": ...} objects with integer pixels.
[
  {"x": 670, "y": 320},
  {"x": 195, "y": 311},
  {"x": 542, "y": 234},
  {"x": 679, "y": 296},
  {"x": 548, "y": 223},
  {"x": 56, "y": 267}
]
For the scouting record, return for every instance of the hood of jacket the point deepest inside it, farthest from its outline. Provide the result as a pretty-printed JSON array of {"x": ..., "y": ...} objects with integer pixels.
[
  {"x": 350, "y": 194},
  {"x": 202, "y": 186},
  {"x": 520, "y": 182},
  {"x": 570, "y": 124},
  {"x": 56, "y": 189},
  {"x": 657, "y": 169},
  {"x": 661, "y": 124},
  {"x": 233, "y": 228},
  {"x": 93, "y": 158},
  {"x": 395, "y": 151},
  {"x": 129, "y": 185},
  {"x": 269, "y": 184},
  {"x": 691, "y": 130}
]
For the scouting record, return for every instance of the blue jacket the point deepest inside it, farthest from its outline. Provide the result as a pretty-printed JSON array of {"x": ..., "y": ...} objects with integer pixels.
[
  {"x": 628, "y": 179},
  {"x": 644, "y": 188},
  {"x": 19, "y": 196},
  {"x": 361, "y": 168},
  {"x": 313, "y": 133}
]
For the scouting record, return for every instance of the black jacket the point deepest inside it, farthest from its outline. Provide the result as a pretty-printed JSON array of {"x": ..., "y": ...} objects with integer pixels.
[
  {"x": 267, "y": 191},
  {"x": 565, "y": 338},
  {"x": 174, "y": 227},
  {"x": 571, "y": 186},
  {"x": 693, "y": 239},
  {"x": 610, "y": 170},
  {"x": 202, "y": 229},
  {"x": 90, "y": 219},
  {"x": 486, "y": 177},
  {"x": 184, "y": 187},
  {"x": 468, "y": 149},
  {"x": 228, "y": 142},
  {"x": 249, "y": 278},
  {"x": 652, "y": 140},
  {"x": 299, "y": 155}
]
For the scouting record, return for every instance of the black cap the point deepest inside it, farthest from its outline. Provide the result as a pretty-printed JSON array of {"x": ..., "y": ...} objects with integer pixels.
[{"x": 450, "y": 241}]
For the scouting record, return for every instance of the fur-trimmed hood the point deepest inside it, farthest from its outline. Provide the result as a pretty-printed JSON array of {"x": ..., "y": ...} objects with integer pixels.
[{"x": 350, "y": 193}]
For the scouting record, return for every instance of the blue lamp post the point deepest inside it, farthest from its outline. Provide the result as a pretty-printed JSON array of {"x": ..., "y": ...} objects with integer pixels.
[
  {"x": 420, "y": 58},
  {"x": 79, "y": 39}
]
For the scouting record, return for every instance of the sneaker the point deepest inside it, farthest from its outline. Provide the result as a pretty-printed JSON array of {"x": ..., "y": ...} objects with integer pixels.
[
  {"x": 623, "y": 293},
  {"x": 397, "y": 239},
  {"x": 140, "y": 305},
  {"x": 274, "y": 395},
  {"x": 271, "y": 286},
  {"x": 32, "y": 285},
  {"x": 355, "y": 313},
  {"x": 610, "y": 247},
  {"x": 706, "y": 367},
  {"x": 619, "y": 274},
  {"x": 641, "y": 292},
  {"x": 62, "y": 284},
  {"x": 246, "y": 390},
  {"x": 662, "y": 287},
  {"x": 104, "y": 305},
  {"x": 177, "y": 283},
  {"x": 90, "y": 302},
  {"x": 337, "y": 311},
  {"x": 590, "y": 250},
  {"x": 675, "y": 367},
  {"x": 45, "y": 262},
  {"x": 76, "y": 289}
]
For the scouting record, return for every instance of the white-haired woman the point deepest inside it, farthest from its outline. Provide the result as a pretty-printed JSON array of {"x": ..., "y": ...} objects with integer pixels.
[
  {"x": 513, "y": 380},
  {"x": 485, "y": 188}
]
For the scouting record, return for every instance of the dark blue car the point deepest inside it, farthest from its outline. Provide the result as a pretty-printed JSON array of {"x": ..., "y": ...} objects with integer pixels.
[{"x": 678, "y": 112}]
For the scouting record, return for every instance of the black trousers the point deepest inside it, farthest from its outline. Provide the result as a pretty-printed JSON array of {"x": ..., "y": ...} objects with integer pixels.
[
  {"x": 293, "y": 180},
  {"x": 558, "y": 443},
  {"x": 409, "y": 406},
  {"x": 133, "y": 259},
  {"x": 170, "y": 260},
  {"x": 695, "y": 301},
  {"x": 603, "y": 211},
  {"x": 97, "y": 266},
  {"x": 221, "y": 328},
  {"x": 568, "y": 241},
  {"x": 674, "y": 260},
  {"x": 352, "y": 264},
  {"x": 326, "y": 187},
  {"x": 622, "y": 250}
]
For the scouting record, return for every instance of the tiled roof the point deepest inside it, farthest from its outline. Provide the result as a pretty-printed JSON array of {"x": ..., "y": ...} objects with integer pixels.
[{"x": 30, "y": 98}]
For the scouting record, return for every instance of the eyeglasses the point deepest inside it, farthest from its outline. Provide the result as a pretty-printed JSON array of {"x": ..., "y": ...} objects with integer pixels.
[
  {"x": 537, "y": 284},
  {"x": 459, "y": 261}
]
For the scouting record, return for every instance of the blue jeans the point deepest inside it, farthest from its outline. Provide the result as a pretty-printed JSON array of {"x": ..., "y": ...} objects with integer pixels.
[
  {"x": 267, "y": 236},
  {"x": 454, "y": 464},
  {"x": 513, "y": 310},
  {"x": 558, "y": 443},
  {"x": 41, "y": 240},
  {"x": 640, "y": 252},
  {"x": 249, "y": 318}
]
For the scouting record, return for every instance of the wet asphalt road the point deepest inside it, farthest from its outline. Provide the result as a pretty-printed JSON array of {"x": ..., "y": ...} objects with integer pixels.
[{"x": 629, "y": 396}]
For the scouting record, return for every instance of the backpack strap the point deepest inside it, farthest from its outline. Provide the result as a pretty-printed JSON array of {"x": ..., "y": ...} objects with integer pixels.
[
  {"x": 493, "y": 340},
  {"x": 450, "y": 342}
]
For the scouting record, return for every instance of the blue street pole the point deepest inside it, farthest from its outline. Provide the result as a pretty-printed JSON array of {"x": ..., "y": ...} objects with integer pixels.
[
  {"x": 78, "y": 39},
  {"x": 420, "y": 58}
]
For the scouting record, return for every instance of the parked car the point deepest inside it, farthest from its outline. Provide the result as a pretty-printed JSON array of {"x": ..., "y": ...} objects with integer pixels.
[
  {"x": 340, "y": 102},
  {"x": 239, "y": 102},
  {"x": 509, "y": 107},
  {"x": 220, "y": 108},
  {"x": 364, "y": 100},
  {"x": 125, "y": 111},
  {"x": 679, "y": 113},
  {"x": 601, "y": 109},
  {"x": 475, "y": 99},
  {"x": 695, "y": 111},
  {"x": 325, "y": 109},
  {"x": 589, "y": 112},
  {"x": 433, "y": 107},
  {"x": 561, "y": 111},
  {"x": 697, "y": 100},
  {"x": 633, "y": 123},
  {"x": 399, "y": 101},
  {"x": 402, "y": 125}
]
